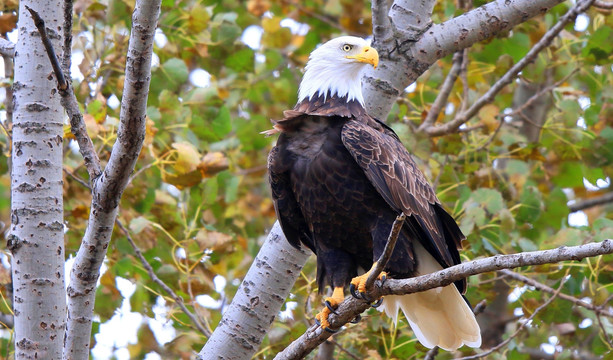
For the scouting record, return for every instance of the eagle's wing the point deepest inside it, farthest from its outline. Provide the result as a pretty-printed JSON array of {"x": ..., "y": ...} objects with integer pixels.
[
  {"x": 288, "y": 212},
  {"x": 391, "y": 169}
]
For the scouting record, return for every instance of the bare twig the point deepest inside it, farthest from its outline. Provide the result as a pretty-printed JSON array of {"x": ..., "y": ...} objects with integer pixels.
[
  {"x": 445, "y": 90},
  {"x": 69, "y": 102},
  {"x": 387, "y": 251},
  {"x": 508, "y": 77},
  {"x": 519, "y": 328},
  {"x": 543, "y": 287},
  {"x": 341, "y": 348},
  {"x": 40, "y": 25},
  {"x": 588, "y": 203},
  {"x": 7, "y": 48},
  {"x": 77, "y": 179},
  {"x": 178, "y": 300},
  {"x": 352, "y": 307}
]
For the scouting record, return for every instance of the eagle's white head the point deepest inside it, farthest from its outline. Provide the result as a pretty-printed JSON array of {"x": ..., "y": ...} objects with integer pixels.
[{"x": 335, "y": 68}]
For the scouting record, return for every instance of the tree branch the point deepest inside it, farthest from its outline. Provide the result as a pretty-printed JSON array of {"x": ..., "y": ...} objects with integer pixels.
[
  {"x": 508, "y": 77},
  {"x": 256, "y": 303},
  {"x": 178, "y": 300},
  {"x": 445, "y": 90},
  {"x": 352, "y": 307},
  {"x": 542, "y": 287},
  {"x": 7, "y": 48},
  {"x": 519, "y": 328},
  {"x": 69, "y": 102},
  {"x": 109, "y": 186},
  {"x": 607, "y": 5},
  {"x": 387, "y": 251},
  {"x": 588, "y": 203},
  {"x": 402, "y": 64}
]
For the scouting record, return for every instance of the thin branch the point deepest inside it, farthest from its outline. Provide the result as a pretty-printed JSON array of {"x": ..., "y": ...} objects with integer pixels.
[
  {"x": 178, "y": 300},
  {"x": 519, "y": 328},
  {"x": 588, "y": 203},
  {"x": 7, "y": 48},
  {"x": 77, "y": 179},
  {"x": 508, "y": 77},
  {"x": 441, "y": 99},
  {"x": 352, "y": 307},
  {"x": 67, "y": 35},
  {"x": 607, "y": 5},
  {"x": 540, "y": 93},
  {"x": 387, "y": 251},
  {"x": 542, "y": 287},
  {"x": 70, "y": 104},
  {"x": 341, "y": 348},
  {"x": 40, "y": 25}
]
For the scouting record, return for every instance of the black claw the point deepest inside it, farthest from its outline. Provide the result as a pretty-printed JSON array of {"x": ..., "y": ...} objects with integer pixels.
[
  {"x": 377, "y": 303},
  {"x": 383, "y": 278},
  {"x": 356, "y": 319},
  {"x": 330, "y": 330},
  {"x": 317, "y": 322},
  {"x": 355, "y": 294},
  {"x": 329, "y": 306},
  {"x": 366, "y": 297}
]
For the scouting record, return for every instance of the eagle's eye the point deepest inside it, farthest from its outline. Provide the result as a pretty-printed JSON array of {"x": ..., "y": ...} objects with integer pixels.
[{"x": 347, "y": 47}]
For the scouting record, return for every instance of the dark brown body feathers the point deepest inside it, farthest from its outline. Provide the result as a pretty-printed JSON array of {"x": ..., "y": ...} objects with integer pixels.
[{"x": 339, "y": 178}]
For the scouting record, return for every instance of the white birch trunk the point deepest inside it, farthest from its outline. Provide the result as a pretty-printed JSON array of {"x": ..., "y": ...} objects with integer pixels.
[
  {"x": 36, "y": 238},
  {"x": 258, "y": 300}
]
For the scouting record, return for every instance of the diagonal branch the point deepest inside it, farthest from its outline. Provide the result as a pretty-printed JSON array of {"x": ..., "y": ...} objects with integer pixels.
[
  {"x": 508, "y": 77},
  {"x": 352, "y": 307},
  {"x": 403, "y": 64},
  {"x": 542, "y": 287},
  {"x": 588, "y": 203},
  {"x": 178, "y": 300},
  {"x": 387, "y": 251},
  {"x": 69, "y": 102},
  {"x": 519, "y": 328},
  {"x": 441, "y": 99}
]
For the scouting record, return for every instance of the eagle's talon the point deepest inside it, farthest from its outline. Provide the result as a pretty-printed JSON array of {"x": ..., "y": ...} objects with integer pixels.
[
  {"x": 377, "y": 303},
  {"x": 330, "y": 330},
  {"x": 356, "y": 319},
  {"x": 329, "y": 306},
  {"x": 353, "y": 292}
]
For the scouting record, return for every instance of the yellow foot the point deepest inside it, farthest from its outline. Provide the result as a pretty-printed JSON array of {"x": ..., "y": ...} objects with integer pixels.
[
  {"x": 359, "y": 283},
  {"x": 331, "y": 304}
]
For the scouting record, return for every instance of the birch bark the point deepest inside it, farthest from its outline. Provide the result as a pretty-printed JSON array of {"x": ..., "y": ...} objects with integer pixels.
[{"x": 36, "y": 238}]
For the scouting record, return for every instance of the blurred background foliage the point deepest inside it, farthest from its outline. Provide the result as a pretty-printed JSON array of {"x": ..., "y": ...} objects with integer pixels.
[{"x": 198, "y": 204}]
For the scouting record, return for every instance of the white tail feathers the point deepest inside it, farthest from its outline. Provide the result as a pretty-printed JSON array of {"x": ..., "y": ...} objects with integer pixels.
[{"x": 439, "y": 317}]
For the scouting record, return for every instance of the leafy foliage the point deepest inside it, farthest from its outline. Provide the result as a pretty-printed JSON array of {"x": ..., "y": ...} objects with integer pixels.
[{"x": 198, "y": 204}]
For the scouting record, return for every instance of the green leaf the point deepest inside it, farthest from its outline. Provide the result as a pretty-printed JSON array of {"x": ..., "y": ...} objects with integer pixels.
[
  {"x": 139, "y": 224},
  {"x": 222, "y": 124},
  {"x": 176, "y": 72},
  {"x": 530, "y": 208},
  {"x": 490, "y": 198},
  {"x": 241, "y": 61}
]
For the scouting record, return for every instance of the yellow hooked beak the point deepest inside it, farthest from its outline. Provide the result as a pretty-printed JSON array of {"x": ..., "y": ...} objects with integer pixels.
[{"x": 368, "y": 55}]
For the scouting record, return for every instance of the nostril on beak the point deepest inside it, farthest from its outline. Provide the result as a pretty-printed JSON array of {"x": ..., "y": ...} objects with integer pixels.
[{"x": 365, "y": 50}]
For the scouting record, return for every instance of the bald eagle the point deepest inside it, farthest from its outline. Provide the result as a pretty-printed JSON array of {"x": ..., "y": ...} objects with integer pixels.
[{"x": 339, "y": 178}]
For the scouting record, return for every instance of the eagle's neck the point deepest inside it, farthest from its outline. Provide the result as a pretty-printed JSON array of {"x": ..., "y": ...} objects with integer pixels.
[
  {"x": 331, "y": 105},
  {"x": 324, "y": 78}
]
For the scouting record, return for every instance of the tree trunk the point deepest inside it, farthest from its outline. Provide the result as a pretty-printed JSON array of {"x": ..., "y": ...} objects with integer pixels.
[
  {"x": 258, "y": 300},
  {"x": 36, "y": 237}
]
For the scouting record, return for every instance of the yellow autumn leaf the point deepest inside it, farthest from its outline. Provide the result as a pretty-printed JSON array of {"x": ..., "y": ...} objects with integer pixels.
[{"x": 188, "y": 157}]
